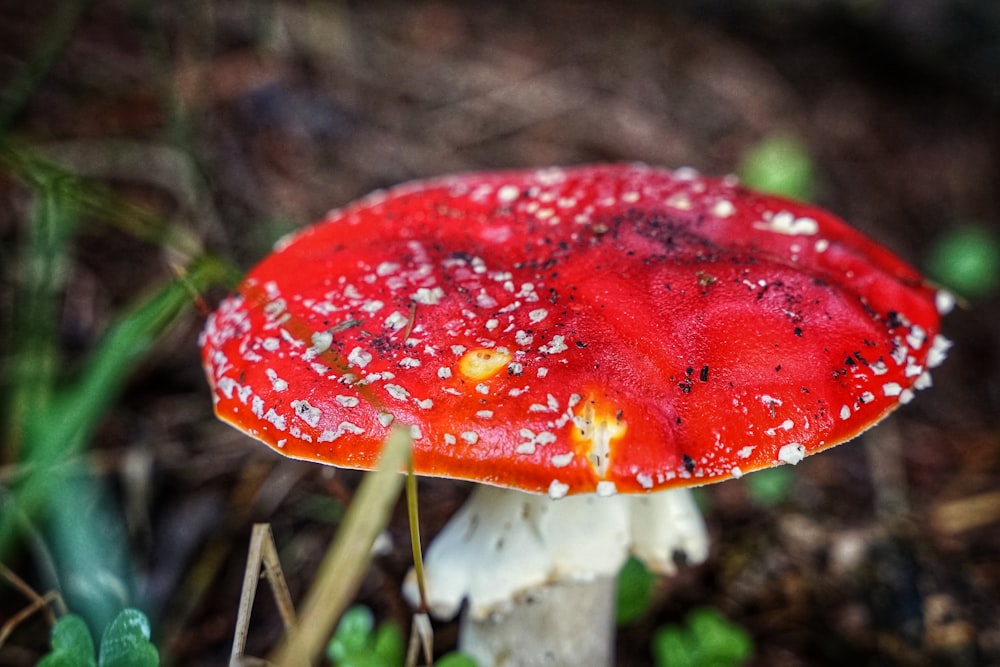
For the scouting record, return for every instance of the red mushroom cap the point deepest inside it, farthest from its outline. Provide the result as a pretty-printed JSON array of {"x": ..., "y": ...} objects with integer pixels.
[{"x": 598, "y": 328}]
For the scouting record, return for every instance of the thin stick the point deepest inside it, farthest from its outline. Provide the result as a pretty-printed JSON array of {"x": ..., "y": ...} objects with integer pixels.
[
  {"x": 421, "y": 637},
  {"x": 262, "y": 550},
  {"x": 26, "y": 590},
  {"x": 37, "y": 602},
  {"x": 412, "y": 320},
  {"x": 41, "y": 603},
  {"x": 251, "y": 577},
  {"x": 276, "y": 577},
  {"x": 347, "y": 559}
]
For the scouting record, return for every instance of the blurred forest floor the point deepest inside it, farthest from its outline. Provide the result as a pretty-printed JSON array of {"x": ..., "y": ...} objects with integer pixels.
[{"x": 239, "y": 120}]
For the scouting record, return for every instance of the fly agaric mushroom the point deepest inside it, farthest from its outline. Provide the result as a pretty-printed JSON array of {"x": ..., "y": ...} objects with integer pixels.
[{"x": 617, "y": 331}]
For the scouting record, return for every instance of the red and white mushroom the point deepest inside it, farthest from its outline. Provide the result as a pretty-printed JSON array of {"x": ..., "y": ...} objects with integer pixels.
[{"x": 593, "y": 331}]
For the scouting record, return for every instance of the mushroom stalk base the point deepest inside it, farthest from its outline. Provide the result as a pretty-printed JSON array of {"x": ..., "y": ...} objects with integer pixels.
[
  {"x": 537, "y": 577},
  {"x": 557, "y": 625}
]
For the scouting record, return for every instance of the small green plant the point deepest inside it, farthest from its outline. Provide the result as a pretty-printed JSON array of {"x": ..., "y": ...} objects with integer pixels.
[
  {"x": 635, "y": 589},
  {"x": 455, "y": 659},
  {"x": 779, "y": 165},
  {"x": 125, "y": 643},
  {"x": 358, "y": 643},
  {"x": 707, "y": 639},
  {"x": 967, "y": 260},
  {"x": 771, "y": 486},
  {"x": 53, "y": 402}
]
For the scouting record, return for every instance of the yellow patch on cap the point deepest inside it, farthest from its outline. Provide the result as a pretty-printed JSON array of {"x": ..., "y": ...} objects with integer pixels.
[{"x": 483, "y": 363}]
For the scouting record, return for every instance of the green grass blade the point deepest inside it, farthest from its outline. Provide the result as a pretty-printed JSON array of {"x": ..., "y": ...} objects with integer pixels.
[
  {"x": 31, "y": 366},
  {"x": 59, "y": 429},
  {"x": 98, "y": 201},
  {"x": 81, "y": 406}
]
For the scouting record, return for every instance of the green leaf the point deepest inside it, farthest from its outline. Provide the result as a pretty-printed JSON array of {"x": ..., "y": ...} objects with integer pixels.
[
  {"x": 967, "y": 260},
  {"x": 84, "y": 403},
  {"x": 354, "y": 644},
  {"x": 721, "y": 641},
  {"x": 456, "y": 659},
  {"x": 126, "y": 642},
  {"x": 779, "y": 165},
  {"x": 365, "y": 659},
  {"x": 30, "y": 375},
  {"x": 389, "y": 644},
  {"x": 670, "y": 648},
  {"x": 72, "y": 645},
  {"x": 87, "y": 538},
  {"x": 770, "y": 486},
  {"x": 635, "y": 588},
  {"x": 61, "y": 425},
  {"x": 353, "y": 635},
  {"x": 706, "y": 640}
]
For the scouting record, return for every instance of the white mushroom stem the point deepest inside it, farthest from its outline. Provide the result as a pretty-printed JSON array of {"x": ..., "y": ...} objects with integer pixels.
[
  {"x": 538, "y": 575},
  {"x": 569, "y": 623}
]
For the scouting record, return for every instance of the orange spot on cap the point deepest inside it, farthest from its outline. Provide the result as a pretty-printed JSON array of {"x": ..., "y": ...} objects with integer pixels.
[{"x": 596, "y": 425}]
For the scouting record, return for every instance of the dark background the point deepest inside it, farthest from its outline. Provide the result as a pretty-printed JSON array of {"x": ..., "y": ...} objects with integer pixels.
[{"x": 241, "y": 120}]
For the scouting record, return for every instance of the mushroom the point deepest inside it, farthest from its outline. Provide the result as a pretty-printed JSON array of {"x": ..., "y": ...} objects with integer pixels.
[{"x": 584, "y": 343}]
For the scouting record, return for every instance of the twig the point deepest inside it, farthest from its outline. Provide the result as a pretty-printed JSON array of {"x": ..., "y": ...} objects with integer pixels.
[
  {"x": 37, "y": 602},
  {"x": 421, "y": 636},
  {"x": 343, "y": 566},
  {"x": 262, "y": 550},
  {"x": 963, "y": 514}
]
